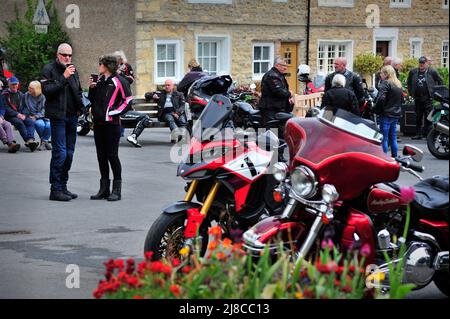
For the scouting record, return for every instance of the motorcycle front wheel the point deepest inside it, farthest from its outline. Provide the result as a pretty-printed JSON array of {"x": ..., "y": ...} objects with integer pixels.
[
  {"x": 166, "y": 236},
  {"x": 438, "y": 144}
]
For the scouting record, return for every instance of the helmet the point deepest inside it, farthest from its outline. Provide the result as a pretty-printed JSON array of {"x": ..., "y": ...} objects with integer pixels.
[{"x": 303, "y": 72}]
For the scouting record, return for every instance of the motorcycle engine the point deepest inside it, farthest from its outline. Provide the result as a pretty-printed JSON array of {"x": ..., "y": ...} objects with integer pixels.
[{"x": 418, "y": 264}]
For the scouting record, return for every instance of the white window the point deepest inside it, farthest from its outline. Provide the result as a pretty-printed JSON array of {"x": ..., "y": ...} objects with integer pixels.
[
  {"x": 213, "y": 54},
  {"x": 263, "y": 55},
  {"x": 400, "y": 4},
  {"x": 415, "y": 47},
  {"x": 336, "y": 3},
  {"x": 444, "y": 4},
  {"x": 445, "y": 54},
  {"x": 211, "y": 1},
  {"x": 328, "y": 51},
  {"x": 168, "y": 61}
]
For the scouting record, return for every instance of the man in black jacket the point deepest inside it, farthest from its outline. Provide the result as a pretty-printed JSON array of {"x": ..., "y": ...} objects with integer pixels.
[
  {"x": 353, "y": 81},
  {"x": 171, "y": 109},
  {"x": 421, "y": 83},
  {"x": 62, "y": 89},
  {"x": 275, "y": 94}
]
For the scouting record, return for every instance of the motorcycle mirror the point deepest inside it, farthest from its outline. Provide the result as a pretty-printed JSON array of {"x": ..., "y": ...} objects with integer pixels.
[{"x": 414, "y": 152}]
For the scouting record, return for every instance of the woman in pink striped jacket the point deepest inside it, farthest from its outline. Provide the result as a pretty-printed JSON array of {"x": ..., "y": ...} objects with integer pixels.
[{"x": 110, "y": 96}]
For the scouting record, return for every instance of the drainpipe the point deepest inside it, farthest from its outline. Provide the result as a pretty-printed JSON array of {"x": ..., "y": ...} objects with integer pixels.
[{"x": 308, "y": 30}]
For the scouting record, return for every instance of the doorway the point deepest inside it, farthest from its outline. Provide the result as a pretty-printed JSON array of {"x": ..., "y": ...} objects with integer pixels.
[
  {"x": 289, "y": 51},
  {"x": 382, "y": 48}
]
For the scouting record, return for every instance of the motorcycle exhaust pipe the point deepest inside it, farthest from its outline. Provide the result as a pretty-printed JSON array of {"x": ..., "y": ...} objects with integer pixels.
[{"x": 441, "y": 128}]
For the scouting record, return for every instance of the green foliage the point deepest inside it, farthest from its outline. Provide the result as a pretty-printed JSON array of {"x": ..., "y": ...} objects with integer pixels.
[
  {"x": 27, "y": 51},
  {"x": 443, "y": 72},
  {"x": 368, "y": 63}
]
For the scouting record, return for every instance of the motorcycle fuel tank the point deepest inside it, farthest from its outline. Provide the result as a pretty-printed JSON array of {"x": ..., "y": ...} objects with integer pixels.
[{"x": 383, "y": 199}]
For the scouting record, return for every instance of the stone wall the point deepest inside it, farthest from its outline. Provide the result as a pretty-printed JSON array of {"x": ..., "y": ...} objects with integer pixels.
[{"x": 105, "y": 26}]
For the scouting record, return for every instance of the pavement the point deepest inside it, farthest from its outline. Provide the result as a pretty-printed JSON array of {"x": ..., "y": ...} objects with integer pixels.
[{"x": 39, "y": 239}]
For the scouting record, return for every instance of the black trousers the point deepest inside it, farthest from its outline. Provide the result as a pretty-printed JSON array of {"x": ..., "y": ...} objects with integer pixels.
[
  {"x": 107, "y": 139},
  {"x": 423, "y": 108}
]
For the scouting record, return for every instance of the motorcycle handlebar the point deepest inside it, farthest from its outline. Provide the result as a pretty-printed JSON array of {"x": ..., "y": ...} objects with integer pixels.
[{"x": 409, "y": 164}]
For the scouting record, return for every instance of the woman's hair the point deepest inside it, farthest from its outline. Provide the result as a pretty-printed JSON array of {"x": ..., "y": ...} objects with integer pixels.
[
  {"x": 193, "y": 64},
  {"x": 36, "y": 86},
  {"x": 110, "y": 62},
  {"x": 390, "y": 75},
  {"x": 120, "y": 54},
  {"x": 338, "y": 81}
]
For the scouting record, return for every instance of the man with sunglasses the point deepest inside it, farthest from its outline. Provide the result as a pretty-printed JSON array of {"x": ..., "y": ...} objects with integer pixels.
[{"x": 62, "y": 90}]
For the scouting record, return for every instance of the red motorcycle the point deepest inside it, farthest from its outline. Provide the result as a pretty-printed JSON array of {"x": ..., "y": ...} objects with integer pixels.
[
  {"x": 226, "y": 171},
  {"x": 311, "y": 87},
  {"x": 341, "y": 187}
]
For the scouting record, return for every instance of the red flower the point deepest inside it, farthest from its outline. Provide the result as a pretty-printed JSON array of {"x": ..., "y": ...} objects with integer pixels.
[
  {"x": 166, "y": 269},
  {"x": 327, "y": 244},
  {"x": 215, "y": 231},
  {"x": 156, "y": 266},
  {"x": 148, "y": 255},
  {"x": 365, "y": 250},
  {"x": 133, "y": 282},
  {"x": 97, "y": 293},
  {"x": 407, "y": 194},
  {"x": 138, "y": 297},
  {"x": 307, "y": 293},
  {"x": 176, "y": 262},
  {"x": 347, "y": 289},
  {"x": 186, "y": 269},
  {"x": 352, "y": 268},
  {"x": 337, "y": 282},
  {"x": 212, "y": 245},
  {"x": 175, "y": 289},
  {"x": 119, "y": 264}
]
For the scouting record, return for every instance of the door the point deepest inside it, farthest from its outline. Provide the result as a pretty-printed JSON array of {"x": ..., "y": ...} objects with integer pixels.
[
  {"x": 383, "y": 48},
  {"x": 289, "y": 51}
]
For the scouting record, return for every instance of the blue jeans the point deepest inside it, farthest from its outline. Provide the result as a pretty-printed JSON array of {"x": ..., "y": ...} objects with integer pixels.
[
  {"x": 25, "y": 127},
  {"x": 173, "y": 123},
  {"x": 42, "y": 127},
  {"x": 389, "y": 130},
  {"x": 64, "y": 136}
]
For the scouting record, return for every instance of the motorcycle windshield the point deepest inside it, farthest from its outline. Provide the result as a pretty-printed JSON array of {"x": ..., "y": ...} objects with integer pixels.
[
  {"x": 213, "y": 119},
  {"x": 351, "y": 123}
]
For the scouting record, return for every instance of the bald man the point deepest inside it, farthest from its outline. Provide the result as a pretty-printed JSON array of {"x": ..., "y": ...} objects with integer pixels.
[
  {"x": 62, "y": 89},
  {"x": 353, "y": 81}
]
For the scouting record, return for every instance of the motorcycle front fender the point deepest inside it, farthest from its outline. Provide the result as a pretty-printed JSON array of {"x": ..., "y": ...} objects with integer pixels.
[{"x": 180, "y": 206}]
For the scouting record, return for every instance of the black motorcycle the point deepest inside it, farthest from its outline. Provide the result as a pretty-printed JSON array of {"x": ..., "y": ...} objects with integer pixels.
[
  {"x": 437, "y": 139},
  {"x": 85, "y": 123}
]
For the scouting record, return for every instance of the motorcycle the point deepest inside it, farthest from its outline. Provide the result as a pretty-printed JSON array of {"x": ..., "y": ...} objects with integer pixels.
[
  {"x": 367, "y": 109},
  {"x": 437, "y": 139},
  {"x": 311, "y": 87},
  {"x": 226, "y": 171},
  {"x": 346, "y": 192},
  {"x": 85, "y": 122}
]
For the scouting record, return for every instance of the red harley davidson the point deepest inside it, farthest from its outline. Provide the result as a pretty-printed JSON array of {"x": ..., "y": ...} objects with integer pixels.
[{"x": 339, "y": 185}]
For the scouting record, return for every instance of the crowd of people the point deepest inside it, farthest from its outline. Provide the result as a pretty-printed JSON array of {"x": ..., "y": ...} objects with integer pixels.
[{"x": 51, "y": 107}]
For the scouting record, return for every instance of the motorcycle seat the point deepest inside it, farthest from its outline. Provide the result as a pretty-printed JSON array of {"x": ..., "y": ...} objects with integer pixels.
[
  {"x": 283, "y": 116},
  {"x": 431, "y": 195}
]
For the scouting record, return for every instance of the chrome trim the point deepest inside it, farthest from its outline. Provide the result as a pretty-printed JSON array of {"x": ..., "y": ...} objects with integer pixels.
[
  {"x": 427, "y": 238},
  {"x": 441, "y": 261},
  {"x": 309, "y": 241},
  {"x": 290, "y": 208}
]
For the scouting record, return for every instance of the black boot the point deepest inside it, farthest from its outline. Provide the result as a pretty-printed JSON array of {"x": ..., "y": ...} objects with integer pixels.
[
  {"x": 59, "y": 196},
  {"x": 69, "y": 193},
  {"x": 104, "y": 192},
  {"x": 116, "y": 191}
]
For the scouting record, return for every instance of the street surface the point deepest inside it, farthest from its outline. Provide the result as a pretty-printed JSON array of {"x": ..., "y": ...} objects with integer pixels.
[{"x": 40, "y": 238}]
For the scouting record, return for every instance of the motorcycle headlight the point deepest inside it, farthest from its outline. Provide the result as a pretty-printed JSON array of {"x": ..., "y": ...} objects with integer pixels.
[
  {"x": 304, "y": 182},
  {"x": 279, "y": 171},
  {"x": 329, "y": 193}
]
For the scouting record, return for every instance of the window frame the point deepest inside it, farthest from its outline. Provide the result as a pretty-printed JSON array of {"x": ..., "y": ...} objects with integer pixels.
[
  {"x": 349, "y": 44},
  {"x": 413, "y": 41},
  {"x": 271, "y": 45},
  {"x": 178, "y": 60},
  {"x": 223, "y": 51},
  {"x": 442, "y": 54},
  {"x": 396, "y": 5},
  {"x": 336, "y": 3}
]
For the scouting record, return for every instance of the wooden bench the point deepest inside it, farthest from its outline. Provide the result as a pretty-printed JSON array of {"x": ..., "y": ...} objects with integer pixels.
[{"x": 141, "y": 105}]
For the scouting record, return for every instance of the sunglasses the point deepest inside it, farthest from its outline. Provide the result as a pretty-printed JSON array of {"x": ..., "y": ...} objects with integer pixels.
[{"x": 65, "y": 55}]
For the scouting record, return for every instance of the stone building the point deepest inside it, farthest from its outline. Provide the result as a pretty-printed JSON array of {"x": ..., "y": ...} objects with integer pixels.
[{"x": 241, "y": 37}]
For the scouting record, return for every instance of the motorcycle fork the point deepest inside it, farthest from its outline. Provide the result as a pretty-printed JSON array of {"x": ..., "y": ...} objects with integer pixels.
[
  {"x": 196, "y": 216},
  {"x": 191, "y": 191}
]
